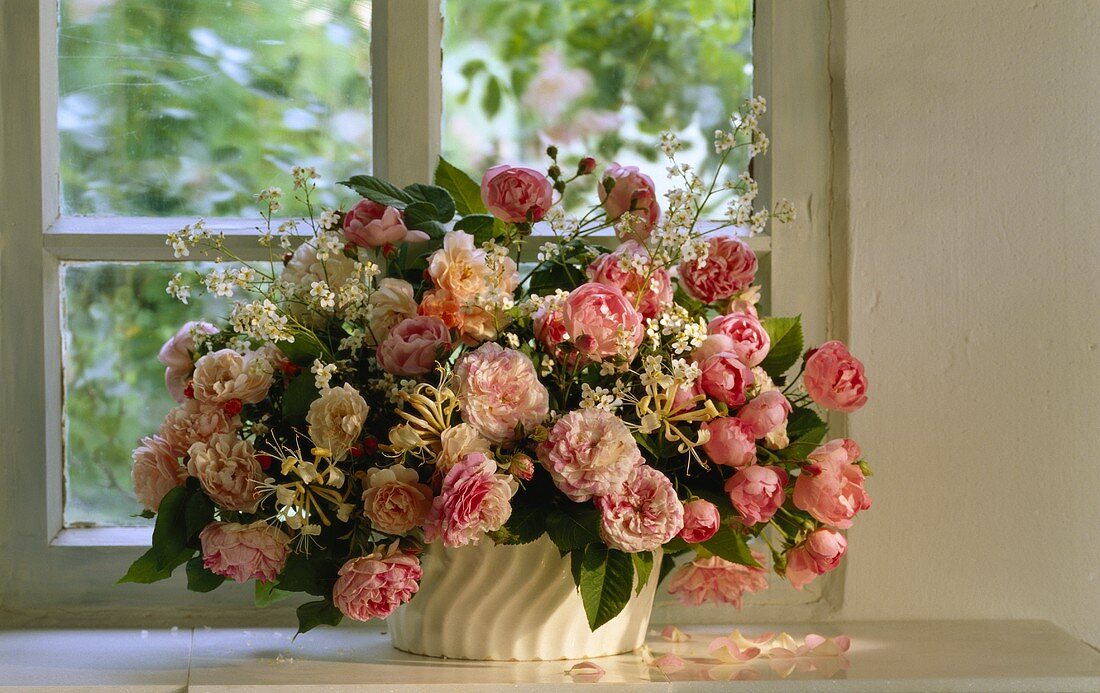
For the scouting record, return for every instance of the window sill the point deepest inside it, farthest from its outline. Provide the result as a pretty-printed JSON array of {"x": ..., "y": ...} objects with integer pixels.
[
  {"x": 104, "y": 536},
  {"x": 914, "y": 655}
]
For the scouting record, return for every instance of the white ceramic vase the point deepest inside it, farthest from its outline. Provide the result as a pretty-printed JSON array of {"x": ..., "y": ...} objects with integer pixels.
[{"x": 492, "y": 602}]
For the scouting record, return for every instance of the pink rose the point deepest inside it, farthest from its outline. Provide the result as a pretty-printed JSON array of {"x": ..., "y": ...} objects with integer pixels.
[
  {"x": 244, "y": 552},
  {"x": 830, "y": 486},
  {"x": 371, "y": 225},
  {"x": 731, "y": 442},
  {"x": 602, "y": 323},
  {"x": 643, "y": 515},
  {"x": 499, "y": 392},
  {"x": 716, "y": 580},
  {"x": 757, "y": 492},
  {"x": 766, "y": 412},
  {"x": 834, "y": 378},
  {"x": 394, "y": 499},
  {"x": 474, "y": 499},
  {"x": 729, "y": 268},
  {"x": 749, "y": 339},
  {"x": 516, "y": 194},
  {"x": 156, "y": 471},
  {"x": 820, "y": 553},
  {"x": 724, "y": 378},
  {"x": 630, "y": 270},
  {"x": 413, "y": 345},
  {"x": 549, "y": 328},
  {"x": 227, "y": 470},
  {"x": 589, "y": 452},
  {"x": 632, "y": 192},
  {"x": 178, "y": 357},
  {"x": 193, "y": 422},
  {"x": 373, "y": 586},
  {"x": 701, "y": 521}
]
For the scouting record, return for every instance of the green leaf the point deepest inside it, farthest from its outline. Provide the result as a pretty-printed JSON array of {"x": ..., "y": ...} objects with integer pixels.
[
  {"x": 731, "y": 546},
  {"x": 806, "y": 430},
  {"x": 145, "y": 571},
  {"x": 301, "y": 574},
  {"x": 299, "y": 394},
  {"x": 472, "y": 67},
  {"x": 527, "y": 523},
  {"x": 313, "y": 614},
  {"x": 437, "y": 197},
  {"x": 556, "y": 276},
  {"x": 381, "y": 191},
  {"x": 576, "y": 558},
  {"x": 170, "y": 530},
  {"x": 573, "y": 526},
  {"x": 199, "y": 579},
  {"x": 198, "y": 513},
  {"x": 302, "y": 351},
  {"x": 668, "y": 564},
  {"x": 643, "y": 566},
  {"x": 267, "y": 593},
  {"x": 490, "y": 100},
  {"x": 420, "y": 212},
  {"x": 464, "y": 189},
  {"x": 607, "y": 576},
  {"x": 483, "y": 227},
  {"x": 786, "y": 344}
]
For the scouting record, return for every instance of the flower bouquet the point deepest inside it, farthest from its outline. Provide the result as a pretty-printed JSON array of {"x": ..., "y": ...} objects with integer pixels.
[{"x": 391, "y": 385}]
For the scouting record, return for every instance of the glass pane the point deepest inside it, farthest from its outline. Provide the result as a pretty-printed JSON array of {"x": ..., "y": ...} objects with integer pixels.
[
  {"x": 190, "y": 107},
  {"x": 116, "y": 317},
  {"x": 599, "y": 77}
]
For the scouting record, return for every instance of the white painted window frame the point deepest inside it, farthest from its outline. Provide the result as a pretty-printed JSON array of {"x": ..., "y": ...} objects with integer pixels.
[{"x": 48, "y": 572}]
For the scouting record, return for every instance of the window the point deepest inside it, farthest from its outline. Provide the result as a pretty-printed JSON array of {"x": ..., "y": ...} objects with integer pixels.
[{"x": 220, "y": 99}]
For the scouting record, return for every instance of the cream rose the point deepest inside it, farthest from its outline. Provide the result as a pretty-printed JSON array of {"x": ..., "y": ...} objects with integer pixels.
[
  {"x": 227, "y": 469},
  {"x": 226, "y": 375},
  {"x": 390, "y": 303},
  {"x": 193, "y": 422},
  {"x": 336, "y": 418},
  {"x": 394, "y": 499},
  {"x": 458, "y": 442}
]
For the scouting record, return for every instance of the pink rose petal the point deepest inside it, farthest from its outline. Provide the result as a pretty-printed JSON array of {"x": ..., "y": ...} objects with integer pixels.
[
  {"x": 674, "y": 634},
  {"x": 588, "y": 672},
  {"x": 724, "y": 649},
  {"x": 670, "y": 663}
]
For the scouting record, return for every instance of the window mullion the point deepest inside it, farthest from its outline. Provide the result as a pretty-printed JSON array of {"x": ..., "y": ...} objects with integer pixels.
[{"x": 406, "y": 84}]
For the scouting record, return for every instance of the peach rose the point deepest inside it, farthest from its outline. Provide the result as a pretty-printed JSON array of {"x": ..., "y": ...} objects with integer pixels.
[
  {"x": 390, "y": 303},
  {"x": 602, "y": 323},
  {"x": 475, "y": 499},
  {"x": 516, "y": 194},
  {"x": 413, "y": 346},
  {"x": 178, "y": 357},
  {"x": 730, "y": 267},
  {"x": 731, "y": 442},
  {"x": 830, "y": 486},
  {"x": 227, "y": 469},
  {"x": 193, "y": 422},
  {"x": 725, "y": 379},
  {"x": 634, "y": 192},
  {"x": 371, "y": 225},
  {"x": 757, "y": 492},
  {"x": 225, "y": 375},
  {"x": 336, "y": 419},
  {"x": 156, "y": 471},
  {"x": 499, "y": 392},
  {"x": 748, "y": 338},
  {"x": 766, "y": 412},
  {"x": 834, "y": 378},
  {"x": 244, "y": 552},
  {"x": 473, "y": 323},
  {"x": 394, "y": 499},
  {"x": 589, "y": 452},
  {"x": 373, "y": 586},
  {"x": 630, "y": 270},
  {"x": 701, "y": 521},
  {"x": 457, "y": 442},
  {"x": 820, "y": 553},
  {"x": 642, "y": 516},
  {"x": 716, "y": 580}
]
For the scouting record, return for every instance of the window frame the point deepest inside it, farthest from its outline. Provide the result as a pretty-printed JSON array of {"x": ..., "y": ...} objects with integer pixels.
[{"x": 37, "y": 553}]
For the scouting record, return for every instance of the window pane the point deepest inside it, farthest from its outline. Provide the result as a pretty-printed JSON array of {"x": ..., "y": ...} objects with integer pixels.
[
  {"x": 116, "y": 317},
  {"x": 190, "y": 107},
  {"x": 599, "y": 77}
]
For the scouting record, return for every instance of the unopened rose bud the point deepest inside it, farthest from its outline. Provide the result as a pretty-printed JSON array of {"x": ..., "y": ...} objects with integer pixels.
[
  {"x": 286, "y": 258},
  {"x": 189, "y": 391},
  {"x": 552, "y": 152},
  {"x": 265, "y": 461},
  {"x": 233, "y": 407},
  {"x": 587, "y": 165},
  {"x": 608, "y": 184},
  {"x": 554, "y": 172},
  {"x": 522, "y": 467},
  {"x": 559, "y": 185}
]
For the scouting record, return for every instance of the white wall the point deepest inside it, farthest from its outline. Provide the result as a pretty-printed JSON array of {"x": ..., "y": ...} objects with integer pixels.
[{"x": 972, "y": 177}]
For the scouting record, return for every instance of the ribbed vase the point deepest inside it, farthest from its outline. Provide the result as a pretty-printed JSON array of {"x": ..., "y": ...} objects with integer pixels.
[{"x": 494, "y": 602}]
